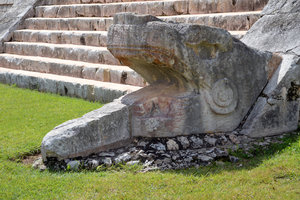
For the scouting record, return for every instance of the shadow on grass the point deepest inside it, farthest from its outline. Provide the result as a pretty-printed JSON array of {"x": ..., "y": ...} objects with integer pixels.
[{"x": 259, "y": 156}]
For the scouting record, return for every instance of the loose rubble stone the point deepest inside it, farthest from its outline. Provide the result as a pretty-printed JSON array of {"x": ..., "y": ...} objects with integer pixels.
[
  {"x": 210, "y": 140},
  {"x": 39, "y": 164},
  {"x": 172, "y": 145},
  {"x": 154, "y": 159},
  {"x": 233, "y": 159},
  {"x": 184, "y": 142},
  {"x": 123, "y": 158},
  {"x": 196, "y": 142},
  {"x": 107, "y": 161},
  {"x": 107, "y": 154},
  {"x": 93, "y": 164},
  {"x": 233, "y": 138},
  {"x": 134, "y": 162},
  {"x": 73, "y": 165},
  {"x": 205, "y": 158},
  {"x": 158, "y": 146}
]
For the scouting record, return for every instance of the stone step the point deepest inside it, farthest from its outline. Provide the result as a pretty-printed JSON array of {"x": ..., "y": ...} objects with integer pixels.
[
  {"x": 67, "y": 2},
  {"x": 157, "y": 8},
  {"x": 99, "y": 72},
  {"x": 235, "y": 21},
  {"x": 62, "y": 51},
  {"x": 89, "y": 38},
  {"x": 238, "y": 34},
  {"x": 64, "y": 85}
]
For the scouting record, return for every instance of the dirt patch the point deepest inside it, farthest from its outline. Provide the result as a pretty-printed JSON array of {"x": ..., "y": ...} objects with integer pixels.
[{"x": 29, "y": 160}]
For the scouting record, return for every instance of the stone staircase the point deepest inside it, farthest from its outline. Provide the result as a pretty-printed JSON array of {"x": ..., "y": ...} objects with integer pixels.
[{"x": 63, "y": 48}]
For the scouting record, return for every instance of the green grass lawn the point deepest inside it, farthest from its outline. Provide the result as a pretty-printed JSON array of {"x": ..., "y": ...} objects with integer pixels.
[{"x": 26, "y": 116}]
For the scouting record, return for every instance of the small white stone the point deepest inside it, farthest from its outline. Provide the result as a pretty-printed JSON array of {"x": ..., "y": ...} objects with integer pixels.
[
  {"x": 107, "y": 161},
  {"x": 124, "y": 157},
  {"x": 134, "y": 162}
]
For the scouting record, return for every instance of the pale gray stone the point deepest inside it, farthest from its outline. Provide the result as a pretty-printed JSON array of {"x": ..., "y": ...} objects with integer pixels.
[
  {"x": 278, "y": 30},
  {"x": 134, "y": 162},
  {"x": 278, "y": 111},
  {"x": 123, "y": 158},
  {"x": 107, "y": 154},
  {"x": 142, "y": 144},
  {"x": 94, "y": 164},
  {"x": 102, "y": 129},
  {"x": 73, "y": 165},
  {"x": 205, "y": 158},
  {"x": 281, "y": 7},
  {"x": 234, "y": 139},
  {"x": 210, "y": 140},
  {"x": 184, "y": 142},
  {"x": 107, "y": 161},
  {"x": 37, "y": 163},
  {"x": 196, "y": 142},
  {"x": 158, "y": 146},
  {"x": 172, "y": 145},
  {"x": 14, "y": 17}
]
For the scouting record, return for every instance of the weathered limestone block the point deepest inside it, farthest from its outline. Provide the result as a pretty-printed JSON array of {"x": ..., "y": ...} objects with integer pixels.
[
  {"x": 201, "y": 78},
  {"x": 107, "y": 127},
  {"x": 14, "y": 18},
  {"x": 277, "y": 110},
  {"x": 278, "y": 30}
]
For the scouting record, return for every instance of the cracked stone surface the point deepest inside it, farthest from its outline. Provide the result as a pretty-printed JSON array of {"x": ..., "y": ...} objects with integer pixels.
[
  {"x": 278, "y": 30},
  {"x": 277, "y": 109},
  {"x": 189, "y": 68}
]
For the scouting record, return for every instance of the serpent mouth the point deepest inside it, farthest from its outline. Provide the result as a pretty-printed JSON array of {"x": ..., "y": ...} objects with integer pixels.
[{"x": 154, "y": 64}]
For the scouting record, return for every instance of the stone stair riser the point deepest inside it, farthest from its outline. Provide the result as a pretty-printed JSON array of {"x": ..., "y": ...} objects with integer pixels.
[
  {"x": 67, "y": 2},
  {"x": 157, "y": 8},
  {"x": 60, "y": 37},
  {"x": 238, "y": 22},
  {"x": 114, "y": 74},
  {"x": 76, "y": 37},
  {"x": 230, "y": 22},
  {"x": 74, "y": 24},
  {"x": 95, "y": 55}
]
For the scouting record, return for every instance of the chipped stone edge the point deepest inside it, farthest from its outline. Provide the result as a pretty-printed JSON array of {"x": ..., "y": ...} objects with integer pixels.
[{"x": 14, "y": 18}]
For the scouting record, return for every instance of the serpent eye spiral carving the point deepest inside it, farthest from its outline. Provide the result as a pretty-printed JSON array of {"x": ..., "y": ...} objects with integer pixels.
[{"x": 223, "y": 97}]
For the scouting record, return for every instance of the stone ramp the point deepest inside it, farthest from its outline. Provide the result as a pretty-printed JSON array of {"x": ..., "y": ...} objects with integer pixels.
[{"x": 69, "y": 37}]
